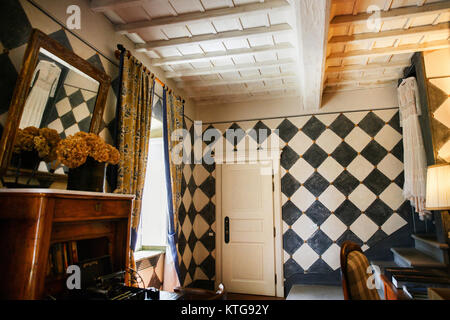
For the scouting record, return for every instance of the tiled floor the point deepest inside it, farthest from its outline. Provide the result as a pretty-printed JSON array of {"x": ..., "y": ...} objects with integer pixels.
[{"x": 312, "y": 292}]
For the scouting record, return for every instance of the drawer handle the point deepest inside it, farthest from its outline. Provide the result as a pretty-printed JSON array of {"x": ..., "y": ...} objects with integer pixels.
[{"x": 98, "y": 206}]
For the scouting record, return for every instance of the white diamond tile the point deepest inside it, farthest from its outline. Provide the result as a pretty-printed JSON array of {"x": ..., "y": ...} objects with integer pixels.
[
  {"x": 357, "y": 139},
  {"x": 363, "y": 227},
  {"x": 330, "y": 169},
  {"x": 393, "y": 196},
  {"x": 200, "y": 252},
  {"x": 388, "y": 137},
  {"x": 328, "y": 141},
  {"x": 200, "y": 199},
  {"x": 200, "y": 174},
  {"x": 301, "y": 170},
  {"x": 331, "y": 198},
  {"x": 362, "y": 197},
  {"x": 300, "y": 143},
  {"x": 392, "y": 224},
  {"x": 356, "y": 117},
  {"x": 187, "y": 173},
  {"x": 303, "y": 199},
  {"x": 332, "y": 256},
  {"x": 63, "y": 106},
  {"x": 74, "y": 129},
  {"x": 305, "y": 256},
  {"x": 390, "y": 166},
  {"x": 200, "y": 226},
  {"x": 304, "y": 227},
  {"x": 286, "y": 256},
  {"x": 81, "y": 112},
  {"x": 199, "y": 274},
  {"x": 56, "y": 125},
  {"x": 333, "y": 227},
  {"x": 299, "y": 122},
  {"x": 386, "y": 115},
  {"x": 327, "y": 119},
  {"x": 187, "y": 199},
  {"x": 360, "y": 168},
  {"x": 364, "y": 247},
  {"x": 187, "y": 256},
  {"x": 186, "y": 227},
  {"x": 442, "y": 114}
]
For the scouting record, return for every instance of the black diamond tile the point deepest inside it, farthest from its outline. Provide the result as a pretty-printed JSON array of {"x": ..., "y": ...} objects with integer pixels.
[
  {"x": 395, "y": 122},
  {"x": 61, "y": 37},
  {"x": 376, "y": 182},
  {"x": 209, "y": 186},
  {"x": 192, "y": 186},
  {"x": 347, "y": 212},
  {"x": 319, "y": 242},
  {"x": 68, "y": 120},
  {"x": 291, "y": 241},
  {"x": 288, "y": 157},
  {"x": 192, "y": 240},
  {"x": 183, "y": 272},
  {"x": 182, "y": 214},
  {"x": 289, "y": 185},
  {"x": 377, "y": 236},
  {"x": 115, "y": 83},
  {"x": 344, "y": 154},
  {"x": 211, "y": 135},
  {"x": 85, "y": 125},
  {"x": 8, "y": 78},
  {"x": 371, "y": 124},
  {"x": 405, "y": 210},
  {"x": 91, "y": 104},
  {"x": 76, "y": 98},
  {"x": 183, "y": 187},
  {"x": 315, "y": 156},
  {"x": 157, "y": 111},
  {"x": 397, "y": 151},
  {"x": 208, "y": 241},
  {"x": 291, "y": 267},
  {"x": 260, "y": 132},
  {"x": 208, "y": 267},
  {"x": 209, "y": 213},
  {"x": 374, "y": 152},
  {"x": 15, "y": 28},
  {"x": 321, "y": 267},
  {"x": 234, "y": 134},
  {"x": 400, "y": 180},
  {"x": 313, "y": 128},
  {"x": 346, "y": 183},
  {"x": 316, "y": 184},
  {"x": 192, "y": 213},
  {"x": 286, "y": 130},
  {"x": 191, "y": 269},
  {"x": 318, "y": 213},
  {"x": 155, "y": 282},
  {"x": 182, "y": 242},
  {"x": 96, "y": 62},
  {"x": 290, "y": 213},
  {"x": 379, "y": 212},
  {"x": 342, "y": 126},
  {"x": 349, "y": 236},
  {"x": 209, "y": 167}
]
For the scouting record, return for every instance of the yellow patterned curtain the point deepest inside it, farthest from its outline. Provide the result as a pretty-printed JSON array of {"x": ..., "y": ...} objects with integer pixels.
[
  {"x": 173, "y": 132},
  {"x": 133, "y": 137}
]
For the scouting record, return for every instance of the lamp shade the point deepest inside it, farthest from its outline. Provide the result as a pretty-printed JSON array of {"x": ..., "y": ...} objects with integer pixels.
[{"x": 438, "y": 187}]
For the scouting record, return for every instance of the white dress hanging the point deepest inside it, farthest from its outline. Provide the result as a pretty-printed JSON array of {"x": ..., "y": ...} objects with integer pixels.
[
  {"x": 44, "y": 87},
  {"x": 414, "y": 159}
]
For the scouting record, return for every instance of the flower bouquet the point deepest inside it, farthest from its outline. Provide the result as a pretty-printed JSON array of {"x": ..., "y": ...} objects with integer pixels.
[
  {"x": 86, "y": 155},
  {"x": 33, "y": 145}
]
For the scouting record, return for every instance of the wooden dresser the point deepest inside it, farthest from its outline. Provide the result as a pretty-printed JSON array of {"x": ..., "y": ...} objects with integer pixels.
[{"x": 32, "y": 220}]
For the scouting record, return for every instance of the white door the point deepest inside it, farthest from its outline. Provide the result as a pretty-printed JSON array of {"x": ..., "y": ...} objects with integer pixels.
[{"x": 248, "y": 258}]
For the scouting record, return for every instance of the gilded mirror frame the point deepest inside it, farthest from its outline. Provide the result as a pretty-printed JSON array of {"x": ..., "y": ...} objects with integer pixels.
[{"x": 37, "y": 41}]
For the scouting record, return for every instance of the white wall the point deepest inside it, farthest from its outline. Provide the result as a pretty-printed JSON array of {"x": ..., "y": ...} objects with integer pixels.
[{"x": 335, "y": 102}]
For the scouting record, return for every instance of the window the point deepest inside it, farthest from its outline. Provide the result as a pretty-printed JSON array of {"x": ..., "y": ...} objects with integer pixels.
[{"x": 152, "y": 233}]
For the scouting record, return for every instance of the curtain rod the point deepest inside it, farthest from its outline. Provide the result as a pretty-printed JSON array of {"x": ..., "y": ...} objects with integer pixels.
[{"x": 121, "y": 49}]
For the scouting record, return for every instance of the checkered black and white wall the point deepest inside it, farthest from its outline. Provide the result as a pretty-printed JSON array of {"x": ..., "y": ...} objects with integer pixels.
[{"x": 341, "y": 179}]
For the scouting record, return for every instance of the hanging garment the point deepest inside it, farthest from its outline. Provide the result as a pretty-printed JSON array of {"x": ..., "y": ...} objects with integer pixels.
[
  {"x": 44, "y": 86},
  {"x": 415, "y": 164}
]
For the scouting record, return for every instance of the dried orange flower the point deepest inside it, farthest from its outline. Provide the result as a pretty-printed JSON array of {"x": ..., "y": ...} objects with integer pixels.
[
  {"x": 72, "y": 151},
  {"x": 44, "y": 141}
]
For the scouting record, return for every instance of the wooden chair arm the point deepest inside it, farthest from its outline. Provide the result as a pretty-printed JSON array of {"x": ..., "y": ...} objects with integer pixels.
[
  {"x": 193, "y": 291},
  {"x": 391, "y": 292}
]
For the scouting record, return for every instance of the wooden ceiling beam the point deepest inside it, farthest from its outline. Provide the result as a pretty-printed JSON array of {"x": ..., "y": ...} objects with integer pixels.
[
  {"x": 221, "y": 36},
  {"x": 394, "y": 14},
  {"x": 231, "y": 68},
  {"x": 219, "y": 82},
  {"x": 369, "y": 79},
  {"x": 106, "y": 5},
  {"x": 210, "y": 94},
  {"x": 221, "y": 54},
  {"x": 368, "y": 67},
  {"x": 206, "y": 16}
]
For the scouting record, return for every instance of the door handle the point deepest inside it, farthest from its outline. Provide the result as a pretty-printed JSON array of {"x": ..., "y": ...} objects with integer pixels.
[{"x": 227, "y": 229}]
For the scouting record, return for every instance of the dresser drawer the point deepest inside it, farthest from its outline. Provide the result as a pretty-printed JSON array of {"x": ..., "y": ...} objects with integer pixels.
[{"x": 80, "y": 209}]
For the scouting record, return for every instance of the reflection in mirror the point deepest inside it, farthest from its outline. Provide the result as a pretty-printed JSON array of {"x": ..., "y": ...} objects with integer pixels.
[{"x": 61, "y": 98}]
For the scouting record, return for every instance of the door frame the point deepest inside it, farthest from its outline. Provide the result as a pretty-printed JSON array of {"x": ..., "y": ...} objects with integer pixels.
[{"x": 267, "y": 155}]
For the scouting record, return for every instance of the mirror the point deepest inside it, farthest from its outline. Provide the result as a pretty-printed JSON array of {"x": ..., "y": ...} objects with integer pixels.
[{"x": 55, "y": 90}]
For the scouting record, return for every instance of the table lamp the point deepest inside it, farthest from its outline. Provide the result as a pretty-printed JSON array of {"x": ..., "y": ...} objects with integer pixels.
[{"x": 438, "y": 195}]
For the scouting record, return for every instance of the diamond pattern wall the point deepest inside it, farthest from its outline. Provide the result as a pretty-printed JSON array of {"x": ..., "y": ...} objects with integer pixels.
[{"x": 342, "y": 178}]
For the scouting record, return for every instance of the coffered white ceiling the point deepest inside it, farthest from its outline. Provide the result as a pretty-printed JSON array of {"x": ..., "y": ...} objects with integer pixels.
[{"x": 227, "y": 50}]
